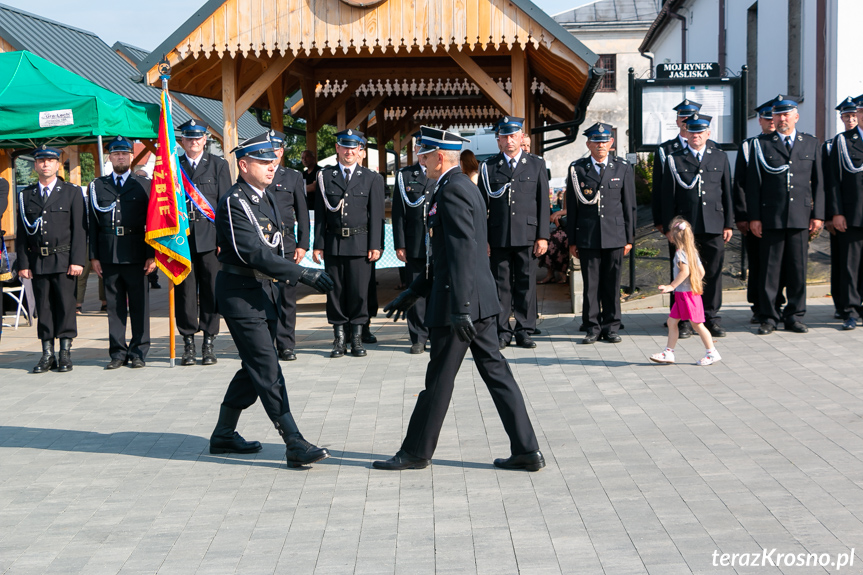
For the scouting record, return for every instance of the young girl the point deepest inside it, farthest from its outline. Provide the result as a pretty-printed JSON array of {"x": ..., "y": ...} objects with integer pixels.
[{"x": 687, "y": 288}]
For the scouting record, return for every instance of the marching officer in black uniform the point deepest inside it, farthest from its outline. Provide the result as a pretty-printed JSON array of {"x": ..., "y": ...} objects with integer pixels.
[
  {"x": 120, "y": 256},
  {"x": 252, "y": 258},
  {"x": 785, "y": 203},
  {"x": 697, "y": 186},
  {"x": 289, "y": 193},
  {"x": 847, "y": 109},
  {"x": 600, "y": 199},
  {"x": 212, "y": 177},
  {"x": 461, "y": 315},
  {"x": 349, "y": 212},
  {"x": 684, "y": 110},
  {"x": 846, "y": 206},
  {"x": 741, "y": 217},
  {"x": 52, "y": 251},
  {"x": 515, "y": 184},
  {"x": 410, "y": 211}
]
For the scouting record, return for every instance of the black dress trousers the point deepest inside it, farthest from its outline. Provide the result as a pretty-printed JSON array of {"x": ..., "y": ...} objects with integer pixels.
[
  {"x": 711, "y": 248},
  {"x": 514, "y": 271},
  {"x": 198, "y": 290},
  {"x": 601, "y": 309},
  {"x": 445, "y": 359},
  {"x": 348, "y": 302},
  {"x": 784, "y": 257},
  {"x": 55, "y": 305},
  {"x": 850, "y": 272},
  {"x": 286, "y": 331},
  {"x": 127, "y": 282},
  {"x": 419, "y": 333}
]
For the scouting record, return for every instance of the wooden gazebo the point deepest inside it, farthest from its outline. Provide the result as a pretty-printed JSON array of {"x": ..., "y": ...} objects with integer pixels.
[{"x": 383, "y": 66}]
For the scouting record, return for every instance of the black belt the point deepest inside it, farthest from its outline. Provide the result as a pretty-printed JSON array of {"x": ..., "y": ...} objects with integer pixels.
[
  {"x": 248, "y": 272},
  {"x": 348, "y": 232},
  {"x": 45, "y": 252},
  {"x": 122, "y": 231}
]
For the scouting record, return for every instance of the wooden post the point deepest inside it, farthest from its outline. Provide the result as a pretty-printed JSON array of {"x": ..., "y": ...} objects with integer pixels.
[
  {"x": 74, "y": 165},
  {"x": 518, "y": 77},
  {"x": 382, "y": 141},
  {"x": 7, "y": 173},
  {"x": 342, "y": 117},
  {"x": 307, "y": 86},
  {"x": 229, "y": 109},
  {"x": 364, "y": 128}
]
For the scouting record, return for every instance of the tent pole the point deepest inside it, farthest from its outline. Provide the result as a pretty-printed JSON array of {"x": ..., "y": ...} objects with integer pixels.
[{"x": 101, "y": 156}]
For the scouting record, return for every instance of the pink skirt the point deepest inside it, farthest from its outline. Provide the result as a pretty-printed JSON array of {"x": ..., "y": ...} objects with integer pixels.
[{"x": 687, "y": 306}]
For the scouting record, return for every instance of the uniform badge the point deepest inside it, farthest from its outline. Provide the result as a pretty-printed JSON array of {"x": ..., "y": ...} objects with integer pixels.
[
  {"x": 854, "y": 137},
  {"x": 255, "y": 198},
  {"x": 416, "y": 174},
  {"x": 500, "y": 163},
  {"x": 407, "y": 188},
  {"x": 524, "y": 160},
  {"x": 799, "y": 138},
  {"x": 269, "y": 227},
  {"x": 192, "y": 123},
  {"x": 335, "y": 173},
  {"x": 433, "y": 209},
  {"x": 587, "y": 191},
  {"x": 775, "y": 138},
  {"x": 676, "y": 145}
]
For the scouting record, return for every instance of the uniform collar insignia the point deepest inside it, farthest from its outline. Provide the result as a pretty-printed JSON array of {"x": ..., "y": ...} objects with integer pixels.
[
  {"x": 500, "y": 163},
  {"x": 676, "y": 145},
  {"x": 775, "y": 138},
  {"x": 709, "y": 151},
  {"x": 335, "y": 172},
  {"x": 524, "y": 160},
  {"x": 255, "y": 198},
  {"x": 416, "y": 174},
  {"x": 799, "y": 138},
  {"x": 854, "y": 137}
]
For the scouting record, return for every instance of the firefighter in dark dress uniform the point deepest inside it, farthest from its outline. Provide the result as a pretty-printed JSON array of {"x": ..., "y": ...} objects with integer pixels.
[
  {"x": 252, "y": 261},
  {"x": 288, "y": 191},
  {"x": 846, "y": 206},
  {"x": 461, "y": 315},
  {"x": 847, "y": 109},
  {"x": 410, "y": 212},
  {"x": 52, "y": 251},
  {"x": 741, "y": 216},
  {"x": 684, "y": 110},
  {"x": 697, "y": 186},
  {"x": 515, "y": 184},
  {"x": 196, "y": 299},
  {"x": 785, "y": 203},
  {"x": 349, "y": 212},
  {"x": 120, "y": 256},
  {"x": 600, "y": 200}
]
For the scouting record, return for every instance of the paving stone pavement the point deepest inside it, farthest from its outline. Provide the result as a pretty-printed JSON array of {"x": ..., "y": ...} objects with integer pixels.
[{"x": 651, "y": 469}]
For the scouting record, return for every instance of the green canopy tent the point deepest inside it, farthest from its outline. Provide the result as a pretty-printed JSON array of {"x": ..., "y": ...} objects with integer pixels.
[{"x": 41, "y": 102}]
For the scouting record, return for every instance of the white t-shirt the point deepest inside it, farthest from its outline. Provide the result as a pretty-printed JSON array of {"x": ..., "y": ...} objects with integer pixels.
[{"x": 680, "y": 258}]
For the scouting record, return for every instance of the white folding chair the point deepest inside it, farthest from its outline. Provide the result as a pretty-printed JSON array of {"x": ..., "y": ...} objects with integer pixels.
[{"x": 17, "y": 294}]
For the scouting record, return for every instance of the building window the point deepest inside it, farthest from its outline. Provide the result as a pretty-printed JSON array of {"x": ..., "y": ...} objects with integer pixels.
[
  {"x": 752, "y": 59},
  {"x": 609, "y": 81}
]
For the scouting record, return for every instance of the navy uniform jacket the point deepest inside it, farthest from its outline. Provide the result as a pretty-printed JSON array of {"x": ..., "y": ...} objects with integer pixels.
[
  {"x": 738, "y": 190},
  {"x": 64, "y": 224},
  {"x": 241, "y": 245},
  {"x": 610, "y": 223},
  {"x": 846, "y": 190},
  {"x": 524, "y": 220},
  {"x": 408, "y": 227},
  {"x": 289, "y": 193},
  {"x": 714, "y": 205},
  {"x": 212, "y": 177},
  {"x": 460, "y": 279},
  {"x": 770, "y": 199},
  {"x": 120, "y": 241},
  {"x": 363, "y": 208},
  {"x": 660, "y": 159}
]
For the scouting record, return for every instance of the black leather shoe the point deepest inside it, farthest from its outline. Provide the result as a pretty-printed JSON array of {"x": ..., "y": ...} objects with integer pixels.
[
  {"x": 357, "y": 349},
  {"x": 208, "y": 353},
  {"x": 612, "y": 337},
  {"x": 287, "y": 355},
  {"x": 526, "y": 342},
  {"x": 417, "y": 349},
  {"x": 48, "y": 361},
  {"x": 299, "y": 452},
  {"x": 117, "y": 363},
  {"x": 225, "y": 438},
  {"x": 188, "y": 350},
  {"x": 796, "y": 327},
  {"x": 684, "y": 330},
  {"x": 339, "y": 345},
  {"x": 368, "y": 336},
  {"x": 589, "y": 339},
  {"x": 138, "y": 363},
  {"x": 155, "y": 285},
  {"x": 427, "y": 346},
  {"x": 766, "y": 329},
  {"x": 64, "y": 363},
  {"x": 501, "y": 344},
  {"x": 528, "y": 461},
  {"x": 837, "y": 314},
  {"x": 716, "y": 330},
  {"x": 849, "y": 324},
  {"x": 536, "y": 331},
  {"x": 754, "y": 318},
  {"x": 401, "y": 460}
]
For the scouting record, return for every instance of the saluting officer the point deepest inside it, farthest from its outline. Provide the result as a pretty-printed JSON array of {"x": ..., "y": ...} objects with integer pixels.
[
  {"x": 410, "y": 213},
  {"x": 515, "y": 184},
  {"x": 785, "y": 202},
  {"x": 697, "y": 186},
  {"x": 600, "y": 199},
  {"x": 52, "y": 251},
  {"x": 289, "y": 193},
  {"x": 461, "y": 315},
  {"x": 741, "y": 216},
  {"x": 212, "y": 177},
  {"x": 349, "y": 212},
  {"x": 119, "y": 254},
  {"x": 847, "y": 109},
  {"x": 252, "y": 257},
  {"x": 846, "y": 205}
]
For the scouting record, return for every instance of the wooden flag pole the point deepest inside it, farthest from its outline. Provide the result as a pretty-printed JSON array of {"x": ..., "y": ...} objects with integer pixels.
[{"x": 172, "y": 323}]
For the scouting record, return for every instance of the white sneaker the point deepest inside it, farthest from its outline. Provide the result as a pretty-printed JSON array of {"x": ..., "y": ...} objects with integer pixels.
[
  {"x": 666, "y": 356},
  {"x": 709, "y": 358}
]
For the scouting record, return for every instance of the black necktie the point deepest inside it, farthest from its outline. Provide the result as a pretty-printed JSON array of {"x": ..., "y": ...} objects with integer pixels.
[
  {"x": 788, "y": 143},
  {"x": 46, "y": 191},
  {"x": 347, "y": 176},
  {"x": 512, "y": 165},
  {"x": 119, "y": 182},
  {"x": 601, "y": 170}
]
